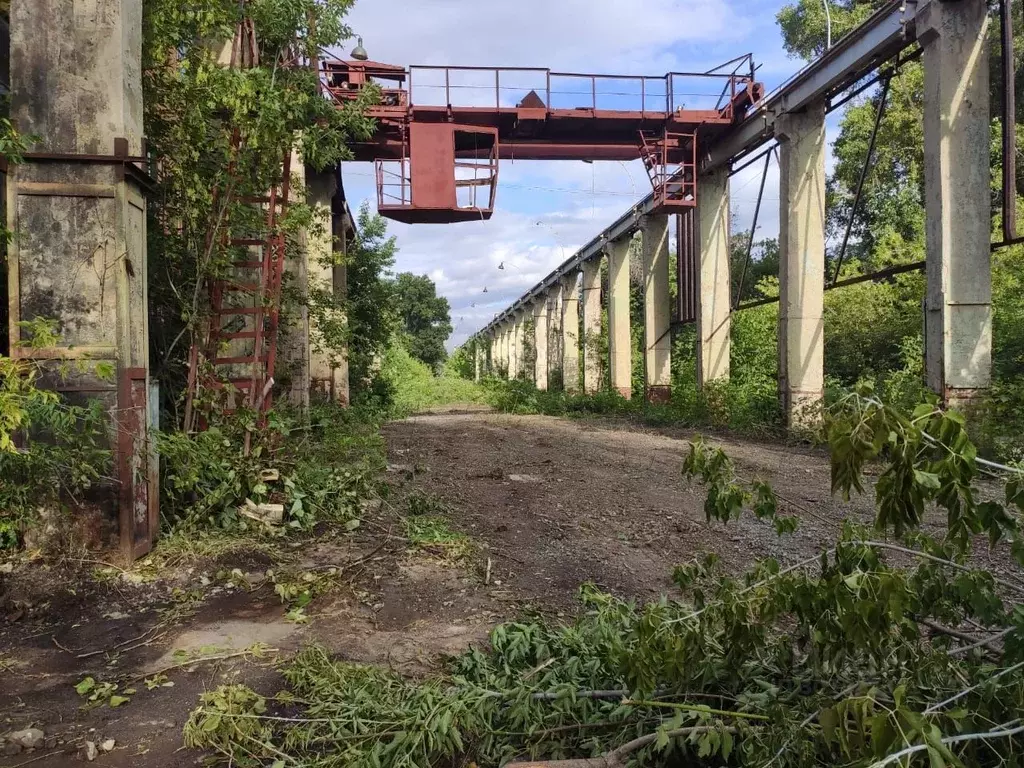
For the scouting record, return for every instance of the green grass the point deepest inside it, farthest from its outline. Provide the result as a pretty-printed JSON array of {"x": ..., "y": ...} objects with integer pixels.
[
  {"x": 417, "y": 389},
  {"x": 432, "y": 535}
]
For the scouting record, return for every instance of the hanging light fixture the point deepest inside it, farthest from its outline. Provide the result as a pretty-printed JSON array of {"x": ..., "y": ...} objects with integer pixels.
[
  {"x": 359, "y": 53},
  {"x": 485, "y": 289},
  {"x": 502, "y": 265}
]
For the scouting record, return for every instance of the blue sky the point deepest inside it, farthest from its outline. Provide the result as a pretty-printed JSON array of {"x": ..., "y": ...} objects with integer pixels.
[{"x": 546, "y": 210}]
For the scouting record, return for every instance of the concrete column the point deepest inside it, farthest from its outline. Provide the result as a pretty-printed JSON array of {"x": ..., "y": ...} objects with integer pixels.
[
  {"x": 323, "y": 369},
  {"x": 591, "y": 325},
  {"x": 293, "y": 341},
  {"x": 478, "y": 360},
  {"x": 521, "y": 340},
  {"x": 801, "y": 263},
  {"x": 344, "y": 229},
  {"x": 657, "y": 309},
  {"x": 79, "y": 254},
  {"x": 570, "y": 334},
  {"x": 513, "y": 350},
  {"x": 554, "y": 302},
  {"x": 958, "y": 309},
  {"x": 540, "y": 342},
  {"x": 619, "y": 344},
  {"x": 504, "y": 351},
  {"x": 713, "y": 285},
  {"x": 492, "y": 358}
]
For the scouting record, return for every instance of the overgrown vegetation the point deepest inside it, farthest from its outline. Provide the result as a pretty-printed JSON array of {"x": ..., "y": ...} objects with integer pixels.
[
  {"x": 318, "y": 467},
  {"x": 890, "y": 646}
]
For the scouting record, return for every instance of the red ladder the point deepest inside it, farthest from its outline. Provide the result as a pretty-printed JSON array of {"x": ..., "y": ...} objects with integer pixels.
[
  {"x": 671, "y": 162},
  {"x": 231, "y": 363}
]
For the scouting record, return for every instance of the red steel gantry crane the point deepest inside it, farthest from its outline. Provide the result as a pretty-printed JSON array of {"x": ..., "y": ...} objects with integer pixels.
[{"x": 437, "y": 155}]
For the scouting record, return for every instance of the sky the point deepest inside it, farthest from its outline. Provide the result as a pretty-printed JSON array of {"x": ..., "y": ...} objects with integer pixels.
[{"x": 546, "y": 210}]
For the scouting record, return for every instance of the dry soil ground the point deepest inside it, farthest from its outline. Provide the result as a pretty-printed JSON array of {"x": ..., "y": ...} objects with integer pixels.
[{"x": 550, "y": 503}]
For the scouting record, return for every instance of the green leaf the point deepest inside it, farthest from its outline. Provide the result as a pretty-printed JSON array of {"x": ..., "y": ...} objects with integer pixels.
[
  {"x": 85, "y": 686},
  {"x": 117, "y": 701}
]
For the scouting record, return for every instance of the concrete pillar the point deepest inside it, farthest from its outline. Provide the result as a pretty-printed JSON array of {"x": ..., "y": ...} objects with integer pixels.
[
  {"x": 344, "y": 229},
  {"x": 320, "y": 190},
  {"x": 492, "y": 358},
  {"x": 619, "y": 343},
  {"x": 478, "y": 360},
  {"x": 570, "y": 333},
  {"x": 293, "y": 340},
  {"x": 801, "y": 263},
  {"x": 503, "y": 350},
  {"x": 520, "y": 334},
  {"x": 554, "y": 302},
  {"x": 513, "y": 350},
  {"x": 591, "y": 325},
  {"x": 79, "y": 255},
  {"x": 657, "y": 309},
  {"x": 958, "y": 309},
  {"x": 713, "y": 285},
  {"x": 540, "y": 342}
]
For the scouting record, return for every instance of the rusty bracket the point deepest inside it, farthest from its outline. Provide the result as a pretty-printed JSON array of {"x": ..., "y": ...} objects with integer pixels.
[{"x": 126, "y": 165}]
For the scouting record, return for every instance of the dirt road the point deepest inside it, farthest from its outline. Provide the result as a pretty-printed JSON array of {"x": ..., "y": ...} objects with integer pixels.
[{"x": 550, "y": 503}]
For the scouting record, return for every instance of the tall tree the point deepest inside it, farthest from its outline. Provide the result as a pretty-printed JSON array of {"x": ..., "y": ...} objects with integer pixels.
[{"x": 425, "y": 318}]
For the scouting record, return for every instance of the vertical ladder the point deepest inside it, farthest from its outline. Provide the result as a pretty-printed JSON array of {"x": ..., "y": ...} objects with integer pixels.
[
  {"x": 231, "y": 362},
  {"x": 670, "y": 158}
]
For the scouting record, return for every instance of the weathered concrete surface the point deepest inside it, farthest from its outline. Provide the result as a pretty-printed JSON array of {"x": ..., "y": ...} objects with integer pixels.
[
  {"x": 524, "y": 352},
  {"x": 958, "y": 313},
  {"x": 619, "y": 343},
  {"x": 540, "y": 343},
  {"x": 478, "y": 361},
  {"x": 5, "y": 57},
  {"x": 80, "y": 255},
  {"x": 294, "y": 364},
  {"x": 554, "y": 295},
  {"x": 801, "y": 263},
  {"x": 570, "y": 333},
  {"x": 713, "y": 280},
  {"x": 321, "y": 188},
  {"x": 657, "y": 309},
  {"x": 591, "y": 325}
]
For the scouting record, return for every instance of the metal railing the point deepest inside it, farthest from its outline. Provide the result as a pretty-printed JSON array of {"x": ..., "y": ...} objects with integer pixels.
[{"x": 482, "y": 87}]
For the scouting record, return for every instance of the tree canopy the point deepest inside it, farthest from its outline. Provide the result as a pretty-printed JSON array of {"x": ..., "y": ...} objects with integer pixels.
[{"x": 425, "y": 318}]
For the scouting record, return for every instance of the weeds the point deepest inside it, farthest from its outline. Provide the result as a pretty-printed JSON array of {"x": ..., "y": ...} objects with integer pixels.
[
  {"x": 320, "y": 470},
  {"x": 842, "y": 658}
]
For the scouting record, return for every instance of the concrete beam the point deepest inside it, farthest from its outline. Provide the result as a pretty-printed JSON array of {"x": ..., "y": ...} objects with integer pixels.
[
  {"x": 570, "y": 333},
  {"x": 79, "y": 256},
  {"x": 620, "y": 348},
  {"x": 657, "y": 309},
  {"x": 958, "y": 312},
  {"x": 540, "y": 343},
  {"x": 713, "y": 280},
  {"x": 802, "y": 264},
  {"x": 592, "y": 363}
]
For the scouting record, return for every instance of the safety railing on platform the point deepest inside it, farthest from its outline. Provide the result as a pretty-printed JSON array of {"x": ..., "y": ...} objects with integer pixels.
[{"x": 507, "y": 87}]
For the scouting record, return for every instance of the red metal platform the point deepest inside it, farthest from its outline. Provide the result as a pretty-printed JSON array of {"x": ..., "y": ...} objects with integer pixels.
[{"x": 442, "y": 130}]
